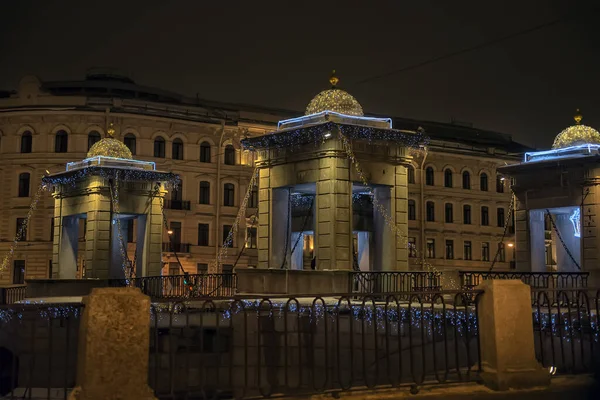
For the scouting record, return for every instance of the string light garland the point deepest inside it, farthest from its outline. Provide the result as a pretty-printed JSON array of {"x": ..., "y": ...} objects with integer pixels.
[
  {"x": 334, "y": 100},
  {"x": 19, "y": 311},
  {"x": 125, "y": 175},
  {"x": 126, "y": 265}
]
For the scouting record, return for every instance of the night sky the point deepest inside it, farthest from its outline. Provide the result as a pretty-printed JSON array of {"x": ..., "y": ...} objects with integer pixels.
[{"x": 280, "y": 53}]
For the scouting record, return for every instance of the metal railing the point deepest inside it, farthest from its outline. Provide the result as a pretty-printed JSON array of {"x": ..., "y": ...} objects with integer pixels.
[
  {"x": 395, "y": 282},
  {"x": 295, "y": 346},
  {"x": 566, "y": 330},
  {"x": 538, "y": 280},
  {"x": 177, "y": 204},
  {"x": 38, "y": 350},
  {"x": 170, "y": 247},
  {"x": 192, "y": 286},
  {"x": 12, "y": 294}
]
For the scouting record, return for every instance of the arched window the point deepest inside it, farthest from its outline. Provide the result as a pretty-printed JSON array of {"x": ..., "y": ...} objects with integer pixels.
[
  {"x": 410, "y": 171},
  {"x": 26, "y": 142},
  {"x": 159, "y": 147},
  {"x": 229, "y": 155},
  {"x": 466, "y": 180},
  {"x": 485, "y": 216},
  {"x": 412, "y": 210},
  {"x": 449, "y": 213},
  {"x": 204, "y": 192},
  {"x": 177, "y": 150},
  {"x": 61, "y": 142},
  {"x": 205, "y": 152},
  {"x": 93, "y": 137},
  {"x": 130, "y": 142},
  {"x": 467, "y": 214},
  {"x": 429, "y": 181},
  {"x": 499, "y": 184},
  {"x": 430, "y": 211},
  {"x": 483, "y": 182},
  {"x": 448, "y": 178},
  {"x": 24, "y": 179},
  {"x": 228, "y": 194}
]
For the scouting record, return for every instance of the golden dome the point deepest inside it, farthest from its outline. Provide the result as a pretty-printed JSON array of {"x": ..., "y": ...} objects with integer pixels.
[
  {"x": 576, "y": 135},
  {"x": 334, "y": 99},
  {"x": 110, "y": 147}
]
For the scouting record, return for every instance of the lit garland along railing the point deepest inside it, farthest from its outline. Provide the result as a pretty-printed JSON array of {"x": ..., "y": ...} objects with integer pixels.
[
  {"x": 127, "y": 268},
  {"x": 381, "y": 209},
  {"x": 241, "y": 213},
  {"x": 22, "y": 229}
]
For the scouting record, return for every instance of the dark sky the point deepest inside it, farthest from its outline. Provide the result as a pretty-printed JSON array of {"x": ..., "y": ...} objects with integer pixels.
[{"x": 280, "y": 53}]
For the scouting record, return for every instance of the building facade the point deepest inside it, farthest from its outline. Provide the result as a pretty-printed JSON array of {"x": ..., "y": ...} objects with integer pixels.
[{"x": 455, "y": 208}]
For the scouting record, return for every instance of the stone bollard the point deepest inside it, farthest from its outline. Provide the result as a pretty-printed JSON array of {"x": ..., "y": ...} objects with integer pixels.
[
  {"x": 506, "y": 337},
  {"x": 114, "y": 342}
]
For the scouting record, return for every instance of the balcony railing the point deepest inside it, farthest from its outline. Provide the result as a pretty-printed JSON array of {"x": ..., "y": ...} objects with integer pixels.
[
  {"x": 177, "y": 205},
  {"x": 184, "y": 286},
  {"x": 176, "y": 247},
  {"x": 395, "y": 282},
  {"x": 12, "y": 294},
  {"x": 537, "y": 280}
]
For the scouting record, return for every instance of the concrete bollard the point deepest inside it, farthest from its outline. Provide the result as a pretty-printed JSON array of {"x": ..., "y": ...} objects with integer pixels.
[
  {"x": 506, "y": 337},
  {"x": 114, "y": 343}
]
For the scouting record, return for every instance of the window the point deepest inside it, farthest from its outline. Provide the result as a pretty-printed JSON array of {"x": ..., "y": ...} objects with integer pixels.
[
  {"x": 174, "y": 268},
  {"x": 430, "y": 211},
  {"x": 412, "y": 210},
  {"x": 21, "y": 227},
  {"x": 177, "y": 194},
  {"x": 50, "y": 269},
  {"x": 251, "y": 238},
  {"x": 466, "y": 178},
  {"x": 93, "y": 138},
  {"x": 412, "y": 247},
  {"x": 18, "y": 272},
  {"x": 26, "y": 142},
  {"x": 253, "y": 200},
  {"x": 500, "y": 217},
  {"x": 228, "y": 194},
  {"x": 227, "y": 275},
  {"x": 485, "y": 251},
  {"x": 467, "y": 250},
  {"x": 204, "y": 193},
  {"x": 483, "y": 182},
  {"x": 175, "y": 227},
  {"x": 449, "y": 217},
  {"x": 429, "y": 181},
  {"x": 449, "y": 249},
  {"x": 202, "y": 268},
  {"x": 485, "y": 216},
  {"x": 52, "y": 229},
  {"x": 130, "y": 229},
  {"x": 61, "y": 142},
  {"x": 226, "y": 230},
  {"x": 499, "y": 184},
  {"x": 448, "y": 178},
  {"x": 177, "y": 150},
  {"x": 130, "y": 142},
  {"x": 467, "y": 214},
  {"x": 430, "y": 248},
  {"x": 202, "y": 234},
  {"x": 159, "y": 147},
  {"x": 229, "y": 155},
  {"x": 410, "y": 171},
  {"x": 205, "y": 152},
  {"x": 501, "y": 253},
  {"x": 24, "y": 179}
]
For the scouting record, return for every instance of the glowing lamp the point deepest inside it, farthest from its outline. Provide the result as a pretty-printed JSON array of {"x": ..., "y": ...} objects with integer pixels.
[
  {"x": 169, "y": 232},
  {"x": 510, "y": 245}
]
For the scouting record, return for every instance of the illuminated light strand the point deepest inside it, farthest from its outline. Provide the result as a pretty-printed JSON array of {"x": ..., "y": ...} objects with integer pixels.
[
  {"x": 52, "y": 312},
  {"x": 22, "y": 229},
  {"x": 336, "y": 100},
  {"x": 126, "y": 266},
  {"x": 228, "y": 242},
  {"x": 383, "y": 212}
]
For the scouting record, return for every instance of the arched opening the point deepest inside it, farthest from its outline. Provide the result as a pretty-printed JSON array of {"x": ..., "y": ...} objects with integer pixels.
[
  {"x": 93, "y": 138},
  {"x": 61, "y": 142},
  {"x": 26, "y": 142}
]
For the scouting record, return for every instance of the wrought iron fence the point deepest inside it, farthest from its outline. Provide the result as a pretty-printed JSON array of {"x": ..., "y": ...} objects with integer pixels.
[
  {"x": 184, "y": 286},
  {"x": 566, "y": 330},
  {"x": 12, "y": 294},
  {"x": 249, "y": 348},
  {"x": 395, "y": 282},
  {"x": 538, "y": 280},
  {"x": 38, "y": 350}
]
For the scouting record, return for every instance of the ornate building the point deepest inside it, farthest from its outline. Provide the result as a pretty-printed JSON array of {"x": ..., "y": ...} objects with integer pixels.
[{"x": 457, "y": 206}]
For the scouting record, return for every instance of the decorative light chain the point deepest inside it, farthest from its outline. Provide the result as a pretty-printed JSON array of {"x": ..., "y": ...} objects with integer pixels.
[
  {"x": 23, "y": 228},
  {"x": 127, "y": 268}
]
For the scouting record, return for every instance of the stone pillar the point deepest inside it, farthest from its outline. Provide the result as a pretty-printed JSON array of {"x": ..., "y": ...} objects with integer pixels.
[
  {"x": 113, "y": 350},
  {"x": 400, "y": 203},
  {"x": 590, "y": 234},
  {"x": 264, "y": 217},
  {"x": 153, "y": 236},
  {"x": 333, "y": 228},
  {"x": 537, "y": 241},
  {"x": 69, "y": 239},
  {"x": 97, "y": 251},
  {"x": 385, "y": 238},
  {"x": 522, "y": 244},
  {"x": 507, "y": 350}
]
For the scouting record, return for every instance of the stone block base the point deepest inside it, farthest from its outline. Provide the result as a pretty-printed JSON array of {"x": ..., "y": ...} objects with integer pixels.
[{"x": 522, "y": 379}]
